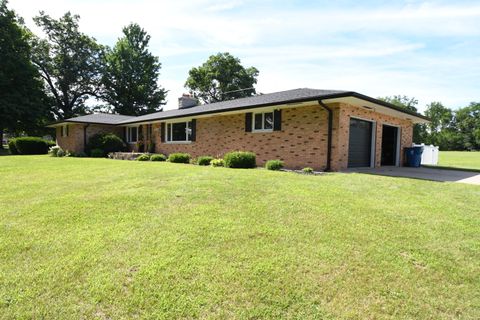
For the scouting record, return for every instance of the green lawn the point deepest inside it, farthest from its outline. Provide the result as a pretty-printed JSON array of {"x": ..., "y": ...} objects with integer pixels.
[
  {"x": 96, "y": 238},
  {"x": 459, "y": 159}
]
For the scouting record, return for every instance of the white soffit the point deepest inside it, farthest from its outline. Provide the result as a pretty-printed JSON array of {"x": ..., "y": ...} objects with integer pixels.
[{"x": 376, "y": 108}]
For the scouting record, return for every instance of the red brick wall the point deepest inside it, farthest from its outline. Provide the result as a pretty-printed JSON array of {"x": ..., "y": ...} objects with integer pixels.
[
  {"x": 74, "y": 141},
  {"x": 302, "y": 141},
  {"x": 343, "y": 112}
]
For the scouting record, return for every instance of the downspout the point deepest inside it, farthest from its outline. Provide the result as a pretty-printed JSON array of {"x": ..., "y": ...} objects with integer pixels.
[
  {"x": 85, "y": 137},
  {"x": 329, "y": 138}
]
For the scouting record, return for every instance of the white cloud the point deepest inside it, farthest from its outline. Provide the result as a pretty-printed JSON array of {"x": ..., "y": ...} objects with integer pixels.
[{"x": 423, "y": 49}]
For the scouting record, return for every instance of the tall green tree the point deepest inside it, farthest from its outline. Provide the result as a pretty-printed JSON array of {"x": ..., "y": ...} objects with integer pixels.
[
  {"x": 221, "y": 77},
  {"x": 409, "y": 104},
  {"x": 404, "y": 102},
  {"x": 69, "y": 61},
  {"x": 467, "y": 123},
  {"x": 131, "y": 73},
  {"x": 22, "y": 100},
  {"x": 440, "y": 129}
]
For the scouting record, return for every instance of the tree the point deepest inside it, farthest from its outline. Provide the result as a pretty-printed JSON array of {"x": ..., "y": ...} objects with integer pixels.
[
  {"x": 440, "y": 116},
  {"x": 409, "y": 104},
  {"x": 467, "y": 123},
  {"x": 69, "y": 61},
  {"x": 404, "y": 102},
  {"x": 131, "y": 75},
  {"x": 440, "y": 128},
  {"x": 22, "y": 100},
  {"x": 220, "y": 78}
]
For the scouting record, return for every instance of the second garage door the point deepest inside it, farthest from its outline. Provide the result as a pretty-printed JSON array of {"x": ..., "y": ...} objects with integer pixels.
[{"x": 360, "y": 143}]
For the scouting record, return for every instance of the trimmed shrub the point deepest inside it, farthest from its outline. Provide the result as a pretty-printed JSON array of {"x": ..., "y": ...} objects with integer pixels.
[
  {"x": 217, "y": 163},
  {"x": 53, "y": 151},
  {"x": 31, "y": 145},
  {"x": 307, "y": 170},
  {"x": 204, "y": 160},
  {"x": 240, "y": 159},
  {"x": 158, "y": 157},
  {"x": 179, "y": 158},
  {"x": 108, "y": 142},
  {"x": 143, "y": 157},
  {"x": 97, "y": 153},
  {"x": 274, "y": 165},
  {"x": 12, "y": 147}
]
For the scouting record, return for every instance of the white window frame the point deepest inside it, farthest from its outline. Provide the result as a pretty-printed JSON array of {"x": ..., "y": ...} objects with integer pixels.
[
  {"x": 129, "y": 134},
  {"x": 263, "y": 121},
  {"x": 65, "y": 130},
  {"x": 170, "y": 125}
]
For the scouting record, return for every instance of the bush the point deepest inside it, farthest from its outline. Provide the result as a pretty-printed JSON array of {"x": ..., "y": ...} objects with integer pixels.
[
  {"x": 31, "y": 145},
  {"x": 274, "y": 164},
  {"x": 61, "y": 153},
  {"x": 158, "y": 157},
  {"x": 143, "y": 157},
  {"x": 217, "y": 163},
  {"x": 53, "y": 151},
  {"x": 307, "y": 170},
  {"x": 179, "y": 158},
  {"x": 11, "y": 146},
  {"x": 240, "y": 159},
  {"x": 204, "y": 160},
  {"x": 108, "y": 142},
  {"x": 97, "y": 153}
]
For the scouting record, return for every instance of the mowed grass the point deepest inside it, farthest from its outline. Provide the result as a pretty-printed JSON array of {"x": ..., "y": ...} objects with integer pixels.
[
  {"x": 98, "y": 238},
  {"x": 460, "y": 159}
]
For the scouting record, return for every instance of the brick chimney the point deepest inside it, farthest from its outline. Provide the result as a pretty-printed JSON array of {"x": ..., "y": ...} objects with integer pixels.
[{"x": 186, "y": 101}]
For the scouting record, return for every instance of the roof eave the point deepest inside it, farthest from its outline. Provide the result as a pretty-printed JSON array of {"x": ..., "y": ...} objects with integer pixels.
[
  {"x": 382, "y": 103},
  {"x": 56, "y": 124},
  {"x": 300, "y": 100}
]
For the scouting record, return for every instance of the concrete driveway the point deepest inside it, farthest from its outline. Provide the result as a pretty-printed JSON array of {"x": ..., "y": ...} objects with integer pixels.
[{"x": 424, "y": 173}]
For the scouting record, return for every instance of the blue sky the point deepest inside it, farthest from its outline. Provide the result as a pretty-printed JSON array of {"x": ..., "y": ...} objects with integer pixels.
[{"x": 426, "y": 49}]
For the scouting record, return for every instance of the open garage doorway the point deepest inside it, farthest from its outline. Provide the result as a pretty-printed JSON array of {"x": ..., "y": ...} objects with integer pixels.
[{"x": 390, "y": 145}]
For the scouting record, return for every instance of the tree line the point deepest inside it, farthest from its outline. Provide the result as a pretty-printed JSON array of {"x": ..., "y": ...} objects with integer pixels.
[
  {"x": 448, "y": 129},
  {"x": 68, "y": 73}
]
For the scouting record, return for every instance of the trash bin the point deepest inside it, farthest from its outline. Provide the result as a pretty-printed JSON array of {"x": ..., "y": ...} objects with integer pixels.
[{"x": 413, "y": 156}]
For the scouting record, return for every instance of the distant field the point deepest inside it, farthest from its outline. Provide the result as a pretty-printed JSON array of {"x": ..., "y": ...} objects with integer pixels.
[{"x": 459, "y": 159}]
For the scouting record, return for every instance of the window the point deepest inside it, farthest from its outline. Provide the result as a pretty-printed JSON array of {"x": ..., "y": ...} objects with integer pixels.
[
  {"x": 132, "y": 133},
  {"x": 65, "y": 130},
  {"x": 179, "y": 132},
  {"x": 263, "y": 121}
]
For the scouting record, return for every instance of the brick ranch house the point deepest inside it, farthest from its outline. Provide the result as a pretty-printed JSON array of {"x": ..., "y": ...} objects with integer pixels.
[{"x": 322, "y": 129}]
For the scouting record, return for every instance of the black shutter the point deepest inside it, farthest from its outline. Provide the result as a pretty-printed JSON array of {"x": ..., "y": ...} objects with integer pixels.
[
  {"x": 248, "y": 122},
  {"x": 162, "y": 132},
  {"x": 277, "y": 120},
  {"x": 125, "y": 133},
  {"x": 67, "y": 129},
  {"x": 194, "y": 129}
]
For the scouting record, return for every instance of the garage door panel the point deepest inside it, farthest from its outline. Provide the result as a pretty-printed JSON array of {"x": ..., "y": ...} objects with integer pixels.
[{"x": 360, "y": 143}]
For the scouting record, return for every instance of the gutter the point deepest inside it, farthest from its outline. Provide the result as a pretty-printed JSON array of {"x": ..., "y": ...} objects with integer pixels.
[{"x": 330, "y": 133}]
